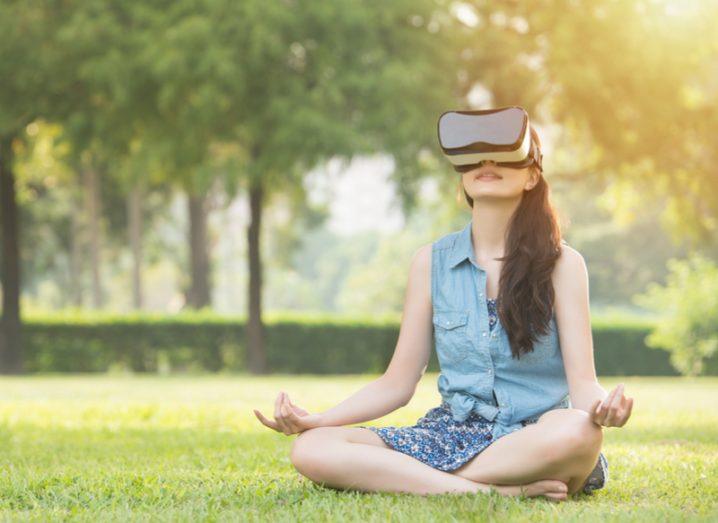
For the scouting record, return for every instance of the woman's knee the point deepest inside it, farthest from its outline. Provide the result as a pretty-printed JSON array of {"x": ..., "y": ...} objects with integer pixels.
[
  {"x": 575, "y": 434},
  {"x": 309, "y": 450}
]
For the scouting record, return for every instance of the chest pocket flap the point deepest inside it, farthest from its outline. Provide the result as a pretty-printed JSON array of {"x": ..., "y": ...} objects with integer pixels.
[
  {"x": 452, "y": 339},
  {"x": 450, "y": 319}
]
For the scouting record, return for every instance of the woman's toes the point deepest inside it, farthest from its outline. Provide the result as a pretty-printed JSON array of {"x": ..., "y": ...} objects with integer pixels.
[
  {"x": 553, "y": 488},
  {"x": 559, "y": 490}
]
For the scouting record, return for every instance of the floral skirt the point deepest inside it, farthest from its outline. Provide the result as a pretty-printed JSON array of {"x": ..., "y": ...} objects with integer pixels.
[{"x": 445, "y": 444}]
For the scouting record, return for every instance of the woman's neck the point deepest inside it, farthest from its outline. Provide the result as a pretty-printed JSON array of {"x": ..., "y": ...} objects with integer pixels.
[{"x": 489, "y": 221}]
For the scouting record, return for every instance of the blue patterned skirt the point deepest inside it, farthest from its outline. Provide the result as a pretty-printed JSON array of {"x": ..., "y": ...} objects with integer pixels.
[
  {"x": 438, "y": 440},
  {"x": 445, "y": 444}
]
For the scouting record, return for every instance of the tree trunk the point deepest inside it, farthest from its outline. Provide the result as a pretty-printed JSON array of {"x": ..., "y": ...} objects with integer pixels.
[
  {"x": 93, "y": 209},
  {"x": 76, "y": 259},
  {"x": 10, "y": 327},
  {"x": 134, "y": 213},
  {"x": 257, "y": 359},
  {"x": 198, "y": 295}
]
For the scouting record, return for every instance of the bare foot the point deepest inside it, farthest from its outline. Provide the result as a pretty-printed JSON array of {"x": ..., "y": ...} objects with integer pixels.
[{"x": 553, "y": 489}]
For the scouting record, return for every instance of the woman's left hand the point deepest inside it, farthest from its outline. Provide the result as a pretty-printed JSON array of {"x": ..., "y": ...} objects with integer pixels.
[{"x": 613, "y": 411}]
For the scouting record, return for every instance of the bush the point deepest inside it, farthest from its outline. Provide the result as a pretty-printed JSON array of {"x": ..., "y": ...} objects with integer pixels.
[
  {"x": 295, "y": 343},
  {"x": 689, "y": 303}
]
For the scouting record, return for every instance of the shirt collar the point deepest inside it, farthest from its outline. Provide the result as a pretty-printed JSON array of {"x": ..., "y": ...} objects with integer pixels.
[{"x": 462, "y": 248}]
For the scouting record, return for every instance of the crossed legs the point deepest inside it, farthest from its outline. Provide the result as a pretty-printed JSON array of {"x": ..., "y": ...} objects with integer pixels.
[
  {"x": 561, "y": 448},
  {"x": 354, "y": 457},
  {"x": 563, "y": 444}
]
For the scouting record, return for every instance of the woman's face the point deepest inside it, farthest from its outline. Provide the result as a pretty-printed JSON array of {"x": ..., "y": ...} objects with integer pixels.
[{"x": 491, "y": 180}]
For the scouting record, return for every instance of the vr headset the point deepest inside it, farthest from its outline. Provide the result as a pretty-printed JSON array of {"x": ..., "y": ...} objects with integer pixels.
[{"x": 503, "y": 135}]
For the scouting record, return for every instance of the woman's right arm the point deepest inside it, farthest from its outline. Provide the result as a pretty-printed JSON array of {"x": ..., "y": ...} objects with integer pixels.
[{"x": 397, "y": 385}]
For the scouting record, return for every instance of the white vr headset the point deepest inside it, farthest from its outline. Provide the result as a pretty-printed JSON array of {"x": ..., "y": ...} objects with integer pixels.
[{"x": 502, "y": 135}]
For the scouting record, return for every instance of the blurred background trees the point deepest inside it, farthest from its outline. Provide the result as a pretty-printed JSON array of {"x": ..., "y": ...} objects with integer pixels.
[{"x": 252, "y": 156}]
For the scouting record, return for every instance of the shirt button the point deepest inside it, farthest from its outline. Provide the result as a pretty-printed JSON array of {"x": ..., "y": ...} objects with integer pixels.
[
  {"x": 484, "y": 333},
  {"x": 481, "y": 294}
]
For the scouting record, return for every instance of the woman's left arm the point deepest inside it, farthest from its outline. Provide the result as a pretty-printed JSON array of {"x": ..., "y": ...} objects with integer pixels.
[{"x": 573, "y": 321}]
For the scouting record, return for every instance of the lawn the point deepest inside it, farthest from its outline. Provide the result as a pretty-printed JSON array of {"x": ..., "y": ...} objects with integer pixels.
[{"x": 189, "y": 448}]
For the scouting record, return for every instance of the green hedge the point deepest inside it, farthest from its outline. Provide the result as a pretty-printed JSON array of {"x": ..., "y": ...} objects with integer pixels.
[{"x": 315, "y": 344}]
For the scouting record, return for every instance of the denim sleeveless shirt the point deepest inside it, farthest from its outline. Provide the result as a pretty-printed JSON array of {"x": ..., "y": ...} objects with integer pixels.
[{"x": 478, "y": 373}]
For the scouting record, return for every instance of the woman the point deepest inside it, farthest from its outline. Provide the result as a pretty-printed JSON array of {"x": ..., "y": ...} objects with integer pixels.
[{"x": 504, "y": 422}]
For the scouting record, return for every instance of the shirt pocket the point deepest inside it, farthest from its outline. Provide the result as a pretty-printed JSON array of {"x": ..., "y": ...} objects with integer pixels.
[{"x": 452, "y": 335}]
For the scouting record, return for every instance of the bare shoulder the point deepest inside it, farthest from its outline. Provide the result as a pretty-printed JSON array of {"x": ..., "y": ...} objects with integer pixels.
[
  {"x": 419, "y": 281},
  {"x": 422, "y": 258},
  {"x": 570, "y": 266},
  {"x": 420, "y": 271}
]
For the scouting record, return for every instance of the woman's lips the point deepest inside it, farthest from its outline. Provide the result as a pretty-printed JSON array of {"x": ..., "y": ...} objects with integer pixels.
[{"x": 488, "y": 177}]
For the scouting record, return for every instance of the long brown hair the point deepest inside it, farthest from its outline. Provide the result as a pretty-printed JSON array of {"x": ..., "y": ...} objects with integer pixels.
[{"x": 533, "y": 244}]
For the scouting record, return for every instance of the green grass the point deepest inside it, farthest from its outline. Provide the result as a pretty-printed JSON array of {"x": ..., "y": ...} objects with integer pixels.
[{"x": 189, "y": 448}]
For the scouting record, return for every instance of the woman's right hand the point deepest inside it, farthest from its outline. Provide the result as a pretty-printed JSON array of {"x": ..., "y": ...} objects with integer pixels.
[{"x": 288, "y": 417}]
